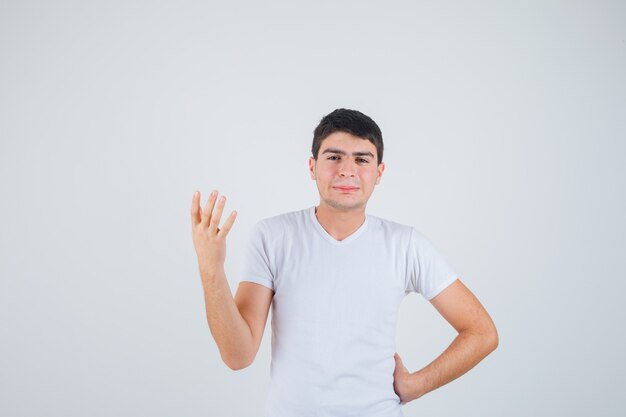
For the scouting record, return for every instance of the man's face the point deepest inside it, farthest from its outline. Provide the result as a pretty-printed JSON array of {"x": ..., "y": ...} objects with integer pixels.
[{"x": 346, "y": 171}]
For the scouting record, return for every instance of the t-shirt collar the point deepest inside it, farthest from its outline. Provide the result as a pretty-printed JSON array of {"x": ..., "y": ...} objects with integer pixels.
[{"x": 331, "y": 239}]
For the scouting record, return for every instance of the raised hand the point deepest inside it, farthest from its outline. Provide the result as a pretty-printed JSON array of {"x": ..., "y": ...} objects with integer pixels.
[{"x": 208, "y": 239}]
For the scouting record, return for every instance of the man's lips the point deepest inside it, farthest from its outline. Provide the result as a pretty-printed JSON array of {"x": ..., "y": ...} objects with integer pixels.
[{"x": 346, "y": 188}]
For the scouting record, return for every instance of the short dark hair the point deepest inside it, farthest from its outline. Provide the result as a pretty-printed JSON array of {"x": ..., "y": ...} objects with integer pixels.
[{"x": 349, "y": 121}]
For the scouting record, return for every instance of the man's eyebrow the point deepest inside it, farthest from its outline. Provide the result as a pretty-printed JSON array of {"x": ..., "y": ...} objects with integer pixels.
[{"x": 340, "y": 152}]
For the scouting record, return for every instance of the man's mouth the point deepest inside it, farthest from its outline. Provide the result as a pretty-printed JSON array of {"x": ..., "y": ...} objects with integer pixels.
[{"x": 346, "y": 188}]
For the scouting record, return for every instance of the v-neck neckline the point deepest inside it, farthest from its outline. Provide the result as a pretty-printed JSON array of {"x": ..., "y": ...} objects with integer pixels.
[{"x": 331, "y": 239}]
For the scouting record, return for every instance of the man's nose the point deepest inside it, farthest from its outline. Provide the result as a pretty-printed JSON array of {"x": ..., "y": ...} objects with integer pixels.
[{"x": 347, "y": 168}]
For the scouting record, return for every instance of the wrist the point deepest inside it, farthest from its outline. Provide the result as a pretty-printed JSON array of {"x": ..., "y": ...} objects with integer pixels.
[
  {"x": 211, "y": 274},
  {"x": 417, "y": 385}
]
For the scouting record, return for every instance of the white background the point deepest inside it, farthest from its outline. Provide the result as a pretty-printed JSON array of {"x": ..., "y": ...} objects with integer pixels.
[{"x": 505, "y": 131}]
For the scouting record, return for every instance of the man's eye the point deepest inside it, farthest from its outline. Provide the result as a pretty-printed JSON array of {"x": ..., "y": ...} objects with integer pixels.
[
  {"x": 333, "y": 157},
  {"x": 363, "y": 160}
]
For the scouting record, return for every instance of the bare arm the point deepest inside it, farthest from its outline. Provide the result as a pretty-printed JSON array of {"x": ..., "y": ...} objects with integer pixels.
[
  {"x": 236, "y": 325},
  {"x": 476, "y": 339}
]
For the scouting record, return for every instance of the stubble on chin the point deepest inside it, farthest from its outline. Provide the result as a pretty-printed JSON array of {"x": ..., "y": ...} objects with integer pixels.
[{"x": 343, "y": 206}]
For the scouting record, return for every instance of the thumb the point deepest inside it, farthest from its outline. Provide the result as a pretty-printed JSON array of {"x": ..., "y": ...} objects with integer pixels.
[{"x": 398, "y": 360}]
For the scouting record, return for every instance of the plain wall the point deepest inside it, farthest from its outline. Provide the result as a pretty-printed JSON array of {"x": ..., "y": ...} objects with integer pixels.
[{"x": 505, "y": 133}]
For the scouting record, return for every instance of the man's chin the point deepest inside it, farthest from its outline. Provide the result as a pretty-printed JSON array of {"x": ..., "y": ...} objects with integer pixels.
[{"x": 345, "y": 205}]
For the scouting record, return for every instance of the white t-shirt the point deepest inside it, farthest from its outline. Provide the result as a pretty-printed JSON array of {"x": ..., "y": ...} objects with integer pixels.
[{"x": 335, "y": 309}]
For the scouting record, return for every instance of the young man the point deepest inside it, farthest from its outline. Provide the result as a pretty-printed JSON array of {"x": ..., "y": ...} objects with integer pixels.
[{"x": 335, "y": 277}]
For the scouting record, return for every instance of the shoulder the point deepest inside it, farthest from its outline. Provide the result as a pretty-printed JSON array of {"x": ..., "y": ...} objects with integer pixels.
[
  {"x": 407, "y": 235},
  {"x": 390, "y": 228},
  {"x": 283, "y": 222}
]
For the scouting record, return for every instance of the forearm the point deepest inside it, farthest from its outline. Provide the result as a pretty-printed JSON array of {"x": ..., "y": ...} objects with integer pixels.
[
  {"x": 229, "y": 329},
  {"x": 465, "y": 352}
]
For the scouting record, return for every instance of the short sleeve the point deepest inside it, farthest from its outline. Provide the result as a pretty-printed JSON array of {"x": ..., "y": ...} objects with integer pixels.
[
  {"x": 256, "y": 259},
  {"x": 429, "y": 272}
]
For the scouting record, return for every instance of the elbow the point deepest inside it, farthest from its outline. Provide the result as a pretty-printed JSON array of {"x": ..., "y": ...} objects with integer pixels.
[
  {"x": 486, "y": 339},
  {"x": 491, "y": 339},
  {"x": 237, "y": 364}
]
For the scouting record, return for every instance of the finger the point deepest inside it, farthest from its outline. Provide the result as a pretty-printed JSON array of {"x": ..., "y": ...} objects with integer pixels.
[
  {"x": 217, "y": 215},
  {"x": 208, "y": 208},
  {"x": 228, "y": 224},
  {"x": 195, "y": 209},
  {"x": 399, "y": 361}
]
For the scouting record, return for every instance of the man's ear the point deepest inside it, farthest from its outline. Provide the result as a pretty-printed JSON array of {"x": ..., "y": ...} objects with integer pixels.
[
  {"x": 381, "y": 169},
  {"x": 312, "y": 167}
]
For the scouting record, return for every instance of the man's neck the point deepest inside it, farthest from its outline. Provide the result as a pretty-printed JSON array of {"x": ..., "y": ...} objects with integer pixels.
[{"x": 339, "y": 223}]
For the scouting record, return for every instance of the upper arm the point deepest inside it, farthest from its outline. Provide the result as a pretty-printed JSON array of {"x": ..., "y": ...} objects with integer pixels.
[
  {"x": 253, "y": 301},
  {"x": 463, "y": 311}
]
